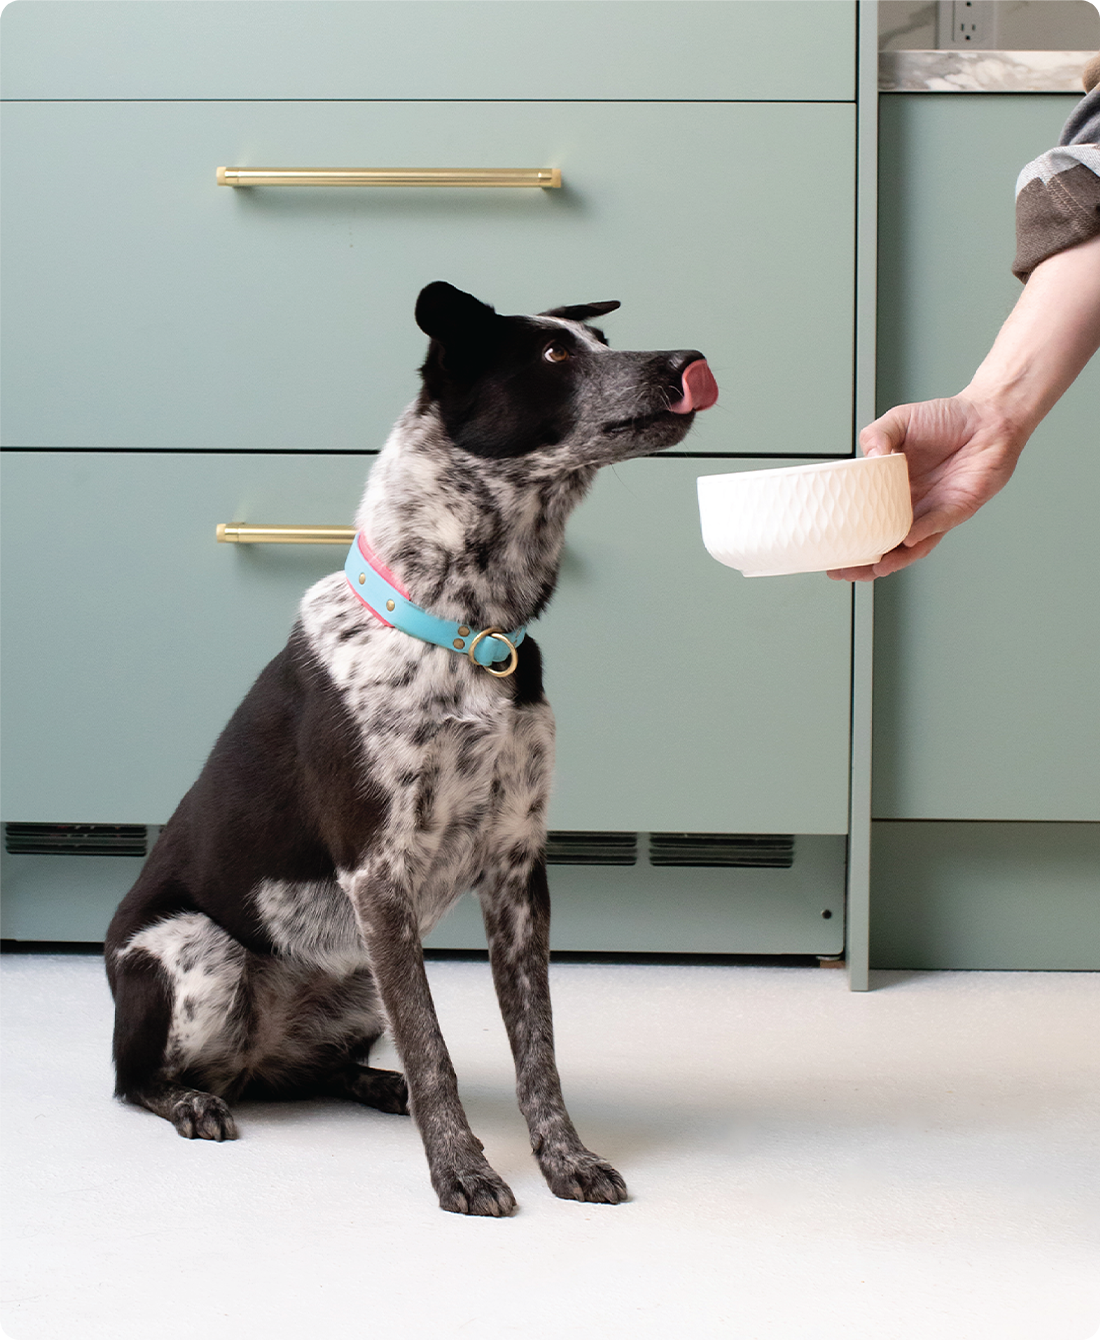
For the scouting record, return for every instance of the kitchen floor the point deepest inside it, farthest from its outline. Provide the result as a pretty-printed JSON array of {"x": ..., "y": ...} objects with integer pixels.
[{"x": 919, "y": 1161}]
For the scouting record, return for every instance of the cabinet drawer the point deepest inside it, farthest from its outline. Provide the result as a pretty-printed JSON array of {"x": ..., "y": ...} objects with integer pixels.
[
  {"x": 704, "y": 700},
  {"x": 148, "y": 308},
  {"x": 709, "y": 703},
  {"x": 800, "y": 50},
  {"x": 112, "y": 700}
]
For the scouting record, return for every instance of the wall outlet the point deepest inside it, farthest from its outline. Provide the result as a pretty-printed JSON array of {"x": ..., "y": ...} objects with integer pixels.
[{"x": 966, "y": 23}]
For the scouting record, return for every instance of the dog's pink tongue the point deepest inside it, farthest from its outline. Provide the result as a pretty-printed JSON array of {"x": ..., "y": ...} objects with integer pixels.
[{"x": 700, "y": 388}]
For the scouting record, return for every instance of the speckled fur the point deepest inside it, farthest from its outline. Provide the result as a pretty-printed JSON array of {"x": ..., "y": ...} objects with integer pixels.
[{"x": 369, "y": 778}]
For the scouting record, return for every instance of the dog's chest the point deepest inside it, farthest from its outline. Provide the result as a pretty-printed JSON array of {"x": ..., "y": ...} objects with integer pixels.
[
  {"x": 418, "y": 708},
  {"x": 465, "y": 772}
]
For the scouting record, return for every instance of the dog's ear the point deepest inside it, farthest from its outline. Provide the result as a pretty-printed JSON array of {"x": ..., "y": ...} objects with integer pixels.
[
  {"x": 584, "y": 311},
  {"x": 449, "y": 315}
]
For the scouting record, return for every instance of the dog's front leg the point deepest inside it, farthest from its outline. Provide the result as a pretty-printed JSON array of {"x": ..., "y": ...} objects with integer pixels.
[
  {"x": 517, "y": 924},
  {"x": 463, "y": 1179}
]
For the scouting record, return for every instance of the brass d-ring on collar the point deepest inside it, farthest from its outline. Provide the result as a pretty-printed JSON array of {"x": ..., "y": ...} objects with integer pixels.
[{"x": 513, "y": 660}]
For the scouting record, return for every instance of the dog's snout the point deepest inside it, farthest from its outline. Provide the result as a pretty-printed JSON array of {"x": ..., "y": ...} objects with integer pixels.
[
  {"x": 696, "y": 387},
  {"x": 682, "y": 359}
]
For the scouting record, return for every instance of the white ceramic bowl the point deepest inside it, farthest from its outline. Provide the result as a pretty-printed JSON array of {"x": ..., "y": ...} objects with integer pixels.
[{"x": 806, "y": 518}]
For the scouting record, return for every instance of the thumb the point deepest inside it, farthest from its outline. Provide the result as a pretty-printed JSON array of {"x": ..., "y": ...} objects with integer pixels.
[
  {"x": 886, "y": 434},
  {"x": 874, "y": 443}
]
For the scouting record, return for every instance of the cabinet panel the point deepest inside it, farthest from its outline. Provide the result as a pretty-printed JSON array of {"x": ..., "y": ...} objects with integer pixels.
[
  {"x": 596, "y": 909},
  {"x": 987, "y": 653},
  {"x": 146, "y": 307},
  {"x": 701, "y": 700},
  {"x": 658, "y": 910},
  {"x": 663, "y": 49},
  {"x": 986, "y": 896}
]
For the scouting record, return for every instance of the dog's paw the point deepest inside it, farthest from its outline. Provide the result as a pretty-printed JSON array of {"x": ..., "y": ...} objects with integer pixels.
[
  {"x": 201, "y": 1116},
  {"x": 385, "y": 1090},
  {"x": 474, "y": 1189},
  {"x": 582, "y": 1175}
]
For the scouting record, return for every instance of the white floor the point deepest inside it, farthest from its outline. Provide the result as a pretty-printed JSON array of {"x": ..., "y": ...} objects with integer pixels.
[{"x": 921, "y": 1161}]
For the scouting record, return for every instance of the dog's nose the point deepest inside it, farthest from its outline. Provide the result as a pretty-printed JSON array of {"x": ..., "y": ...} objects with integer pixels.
[{"x": 698, "y": 387}]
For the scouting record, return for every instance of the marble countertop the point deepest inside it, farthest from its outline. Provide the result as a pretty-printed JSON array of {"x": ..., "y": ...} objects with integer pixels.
[{"x": 982, "y": 71}]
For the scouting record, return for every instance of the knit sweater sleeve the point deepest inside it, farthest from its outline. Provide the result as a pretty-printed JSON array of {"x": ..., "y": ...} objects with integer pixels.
[{"x": 1058, "y": 193}]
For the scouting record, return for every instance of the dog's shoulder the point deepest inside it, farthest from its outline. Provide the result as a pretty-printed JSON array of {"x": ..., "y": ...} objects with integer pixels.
[{"x": 336, "y": 626}]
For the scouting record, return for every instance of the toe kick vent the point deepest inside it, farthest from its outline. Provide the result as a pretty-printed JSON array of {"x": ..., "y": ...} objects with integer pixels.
[
  {"x": 760, "y": 850},
  {"x": 592, "y": 849},
  {"x": 76, "y": 839}
]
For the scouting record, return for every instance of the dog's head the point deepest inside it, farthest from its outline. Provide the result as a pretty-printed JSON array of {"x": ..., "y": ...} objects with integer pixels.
[{"x": 511, "y": 386}]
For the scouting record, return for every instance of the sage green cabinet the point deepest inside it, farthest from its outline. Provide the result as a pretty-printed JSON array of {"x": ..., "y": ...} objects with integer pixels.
[
  {"x": 987, "y": 654},
  {"x": 179, "y": 354},
  {"x": 986, "y": 844},
  {"x": 145, "y": 307},
  {"x": 688, "y": 697},
  {"x": 618, "y": 50}
]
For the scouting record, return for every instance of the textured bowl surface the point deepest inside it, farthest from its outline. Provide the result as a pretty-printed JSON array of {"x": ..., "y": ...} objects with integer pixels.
[{"x": 806, "y": 518}]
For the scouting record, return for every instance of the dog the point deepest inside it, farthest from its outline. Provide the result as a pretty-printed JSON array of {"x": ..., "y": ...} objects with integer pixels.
[{"x": 371, "y": 776}]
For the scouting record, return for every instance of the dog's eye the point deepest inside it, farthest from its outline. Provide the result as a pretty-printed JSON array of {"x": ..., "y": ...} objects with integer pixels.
[{"x": 556, "y": 353}]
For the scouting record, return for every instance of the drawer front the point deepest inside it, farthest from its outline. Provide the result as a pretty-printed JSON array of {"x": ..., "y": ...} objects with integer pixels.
[
  {"x": 113, "y": 700},
  {"x": 660, "y": 49},
  {"x": 702, "y": 701},
  {"x": 148, "y": 308}
]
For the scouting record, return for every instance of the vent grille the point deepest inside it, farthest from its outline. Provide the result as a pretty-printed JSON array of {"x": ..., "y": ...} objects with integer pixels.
[
  {"x": 759, "y": 850},
  {"x": 75, "y": 839},
  {"x": 592, "y": 849},
  {"x": 773, "y": 851}
]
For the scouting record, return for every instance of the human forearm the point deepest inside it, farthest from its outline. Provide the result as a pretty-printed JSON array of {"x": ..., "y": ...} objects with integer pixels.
[
  {"x": 963, "y": 449},
  {"x": 1050, "y": 335}
]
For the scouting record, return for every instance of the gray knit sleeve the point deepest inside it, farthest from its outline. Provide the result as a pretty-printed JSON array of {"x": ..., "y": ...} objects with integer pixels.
[{"x": 1058, "y": 193}]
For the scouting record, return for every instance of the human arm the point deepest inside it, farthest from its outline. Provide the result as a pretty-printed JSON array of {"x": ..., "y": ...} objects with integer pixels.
[{"x": 963, "y": 449}]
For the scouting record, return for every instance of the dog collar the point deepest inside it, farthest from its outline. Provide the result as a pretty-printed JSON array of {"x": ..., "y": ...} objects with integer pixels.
[{"x": 378, "y": 589}]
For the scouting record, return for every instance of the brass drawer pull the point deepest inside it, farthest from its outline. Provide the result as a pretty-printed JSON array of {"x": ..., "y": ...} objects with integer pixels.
[
  {"x": 234, "y": 532},
  {"x": 259, "y": 176}
]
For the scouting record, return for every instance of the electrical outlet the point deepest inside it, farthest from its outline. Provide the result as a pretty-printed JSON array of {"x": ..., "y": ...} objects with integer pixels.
[{"x": 962, "y": 24}]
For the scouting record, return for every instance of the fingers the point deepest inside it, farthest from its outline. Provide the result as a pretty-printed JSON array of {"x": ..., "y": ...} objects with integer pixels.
[
  {"x": 935, "y": 523},
  {"x": 851, "y": 574},
  {"x": 901, "y": 557},
  {"x": 906, "y": 553}
]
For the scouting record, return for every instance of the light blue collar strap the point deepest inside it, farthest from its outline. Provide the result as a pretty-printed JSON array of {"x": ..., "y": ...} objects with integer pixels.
[{"x": 486, "y": 647}]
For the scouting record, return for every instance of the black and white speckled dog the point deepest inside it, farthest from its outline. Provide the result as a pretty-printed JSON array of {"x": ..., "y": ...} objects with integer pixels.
[{"x": 370, "y": 777}]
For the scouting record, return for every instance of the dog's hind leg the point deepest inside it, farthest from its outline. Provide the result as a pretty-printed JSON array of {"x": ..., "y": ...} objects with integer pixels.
[
  {"x": 194, "y": 1114},
  {"x": 516, "y": 910},
  {"x": 384, "y": 1090},
  {"x": 461, "y": 1175},
  {"x": 143, "y": 1015}
]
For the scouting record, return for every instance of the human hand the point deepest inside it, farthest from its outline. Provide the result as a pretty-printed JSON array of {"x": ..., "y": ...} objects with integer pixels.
[{"x": 961, "y": 451}]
